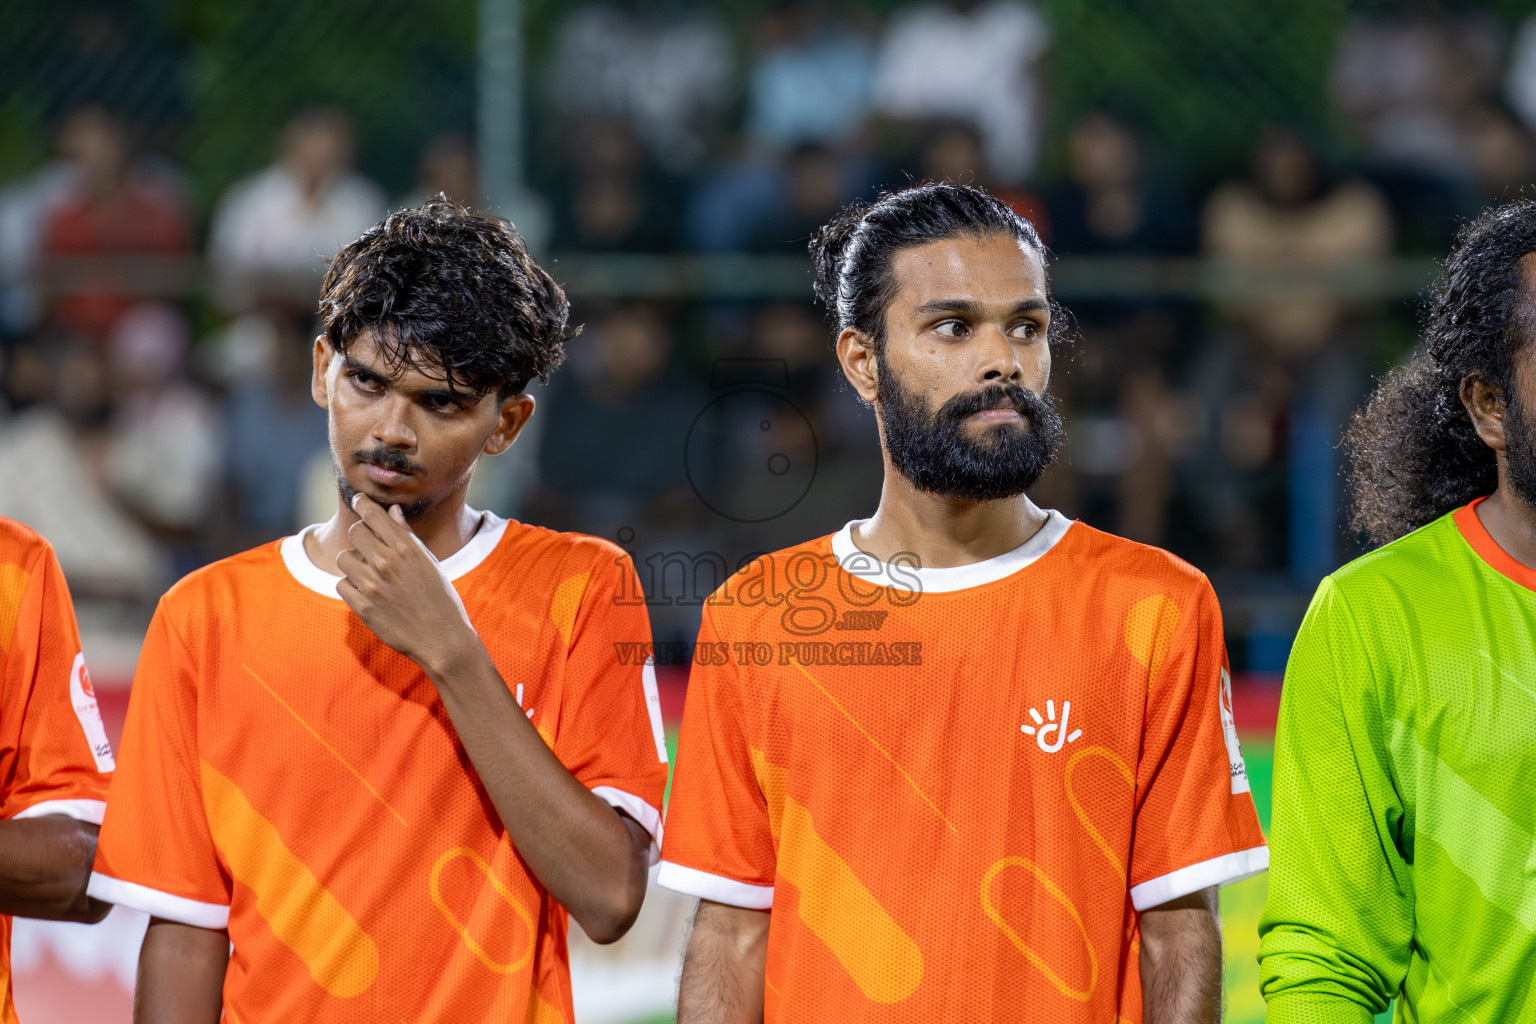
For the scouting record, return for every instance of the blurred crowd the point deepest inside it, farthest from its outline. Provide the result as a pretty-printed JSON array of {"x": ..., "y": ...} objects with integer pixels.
[{"x": 156, "y": 408}]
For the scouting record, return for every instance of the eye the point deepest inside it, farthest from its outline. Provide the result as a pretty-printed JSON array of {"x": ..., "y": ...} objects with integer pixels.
[
  {"x": 442, "y": 404},
  {"x": 365, "y": 381},
  {"x": 950, "y": 329},
  {"x": 1025, "y": 329}
]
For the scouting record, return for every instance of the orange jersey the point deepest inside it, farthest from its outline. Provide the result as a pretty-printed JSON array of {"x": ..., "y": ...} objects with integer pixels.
[
  {"x": 286, "y": 775},
  {"x": 54, "y": 754},
  {"x": 955, "y": 788}
]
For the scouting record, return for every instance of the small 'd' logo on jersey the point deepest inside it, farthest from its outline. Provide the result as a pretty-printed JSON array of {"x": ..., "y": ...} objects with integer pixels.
[{"x": 1051, "y": 735}]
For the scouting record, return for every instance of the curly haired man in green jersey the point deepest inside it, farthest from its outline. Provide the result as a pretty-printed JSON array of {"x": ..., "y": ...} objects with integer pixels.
[{"x": 1404, "y": 838}]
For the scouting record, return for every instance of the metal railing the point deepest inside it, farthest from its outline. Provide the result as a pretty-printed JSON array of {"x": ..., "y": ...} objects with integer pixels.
[{"x": 747, "y": 277}]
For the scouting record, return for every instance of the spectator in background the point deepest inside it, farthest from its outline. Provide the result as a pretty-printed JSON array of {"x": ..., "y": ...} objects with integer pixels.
[
  {"x": 272, "y": 427},
  {"x": 612, "y": 455},
  {"x": 814, "y": 182},
  {"x": 810, "y": 78},
  {"x": 613, "y": 438},
  {"x": 98, "y": 230},
  {"x": 1128, "y": 427},
  {"x": 53, "y": 459},
  {"x": 771, "y": 207},
  {"x": 808, "y": 96},
  {"x": 816, "y": 464},
  {"x": 610, "y": 197},
  {"x": 954, "y": 151},
  {"x": 1290, "y": 214},
  {"x": 973, "y": 62},
  {"x": 273, "y": 232},
  {"x": 448, "y": 165},
  {"x": 1420, "y": 88},
  {"x": 668, "y": 75},
  {"x": 1499, "y": 152},
  {"x": 1111, "y": 204},
  {"x": 1406, "y": 80},
  {"x": 163, "y": 444},
  {"x": 23, "y": 205},
  {"x": 1286, "y": 384}
]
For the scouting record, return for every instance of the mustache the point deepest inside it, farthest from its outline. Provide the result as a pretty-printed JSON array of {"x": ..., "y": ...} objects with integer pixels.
[
  {"x": 994, "y": 396},
  {"x": 388, "y": 458}
]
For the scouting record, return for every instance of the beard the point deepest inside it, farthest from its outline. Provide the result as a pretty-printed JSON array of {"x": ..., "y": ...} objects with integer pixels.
[
  {"x": 939, "y": 454},
  {"x": 1520, "y": 450},
  {"x": 389, "y": 459}
]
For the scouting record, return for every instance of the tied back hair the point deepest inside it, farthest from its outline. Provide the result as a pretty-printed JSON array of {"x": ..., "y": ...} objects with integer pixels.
[
  {"x": 853, "y": 252},
  {"x": 1413, "y": 452}
]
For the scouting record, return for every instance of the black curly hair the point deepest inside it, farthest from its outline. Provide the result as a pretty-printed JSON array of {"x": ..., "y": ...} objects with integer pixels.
[
  {"x": 853, "y": 252},
  {"x": 1413, "y": 452},
  {"x": 452, "y": 292}
]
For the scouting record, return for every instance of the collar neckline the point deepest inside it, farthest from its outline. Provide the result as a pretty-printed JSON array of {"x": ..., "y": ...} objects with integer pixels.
[
  {"x": 481, "y": 543},
  {"x": 1482, "y": 543},
  {"x": 904, "y": 575}
]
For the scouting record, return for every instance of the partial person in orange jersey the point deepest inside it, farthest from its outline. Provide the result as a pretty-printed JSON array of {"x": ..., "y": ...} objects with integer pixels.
[
  {"x": 965, "y": 760},
  {"x": 55, "y": 759},
  {"x": 383, "y": 759}
]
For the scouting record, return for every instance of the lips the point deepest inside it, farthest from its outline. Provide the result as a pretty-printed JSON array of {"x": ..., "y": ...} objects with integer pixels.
[
  {"x": 383, "y": 475},
  {"x": 1003, "y": 415}
]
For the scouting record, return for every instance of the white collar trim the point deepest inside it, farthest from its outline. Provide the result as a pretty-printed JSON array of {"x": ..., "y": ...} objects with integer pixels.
[
  {"x": 484, "y": 540},
  {"x": 903, "y": 574}
]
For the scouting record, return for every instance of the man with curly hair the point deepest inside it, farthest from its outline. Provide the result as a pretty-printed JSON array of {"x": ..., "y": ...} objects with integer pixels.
[
  {"x": 368, "y": 769},
  {"x": 1404, "y": 828}
]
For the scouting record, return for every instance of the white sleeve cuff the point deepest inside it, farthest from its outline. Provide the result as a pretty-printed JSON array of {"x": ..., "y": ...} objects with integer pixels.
[
  {"x": 1223, "y": 870},
  {"x": 648, "y": 817},
  {"x": 714, "y": 887},
  {"x": 156, "y": 903},
  {"x": 81, "y": 810}
]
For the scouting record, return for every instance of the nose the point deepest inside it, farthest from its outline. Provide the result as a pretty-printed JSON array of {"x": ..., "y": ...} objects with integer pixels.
[
  {"x": 393, "y": 427},
  {"x": 999, "y": 358}
]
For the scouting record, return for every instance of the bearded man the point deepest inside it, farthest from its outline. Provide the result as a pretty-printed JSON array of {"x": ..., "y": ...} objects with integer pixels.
[{"x": 1014, "y": 795}]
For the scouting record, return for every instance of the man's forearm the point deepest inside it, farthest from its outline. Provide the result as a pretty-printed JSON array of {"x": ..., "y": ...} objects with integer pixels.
[
  {"x": 45, "y": 863},
  {"x": 181, "y": 974},
  {"x": 724, "y": 966},
  {"x": 590, "y": 858},
  {"x": 1181, "y": 961}
]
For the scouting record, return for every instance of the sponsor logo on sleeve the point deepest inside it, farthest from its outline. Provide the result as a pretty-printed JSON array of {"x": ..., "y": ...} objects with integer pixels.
[
  {"x": 1235, "y": 763},
  {"x": 653, "y": 708},
  {"x": 83, "y": 697}
]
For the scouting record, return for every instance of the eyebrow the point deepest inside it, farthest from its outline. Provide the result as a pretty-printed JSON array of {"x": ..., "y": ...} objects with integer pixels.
[{"x": 972, "y": 308}]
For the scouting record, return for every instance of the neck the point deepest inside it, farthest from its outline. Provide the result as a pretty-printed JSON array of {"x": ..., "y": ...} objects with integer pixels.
[
  {"x": 444, "y": 531},
  {"x": 1510, "y": 522},
  {"x": 944, "y": 532}
]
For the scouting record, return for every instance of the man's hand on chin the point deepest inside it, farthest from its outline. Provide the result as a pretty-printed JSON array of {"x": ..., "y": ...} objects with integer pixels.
[{"x": 399, "y": 590}]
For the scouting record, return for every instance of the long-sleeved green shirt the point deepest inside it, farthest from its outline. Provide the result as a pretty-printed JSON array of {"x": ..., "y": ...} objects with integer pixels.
[{"x": 1404, "y": 823}]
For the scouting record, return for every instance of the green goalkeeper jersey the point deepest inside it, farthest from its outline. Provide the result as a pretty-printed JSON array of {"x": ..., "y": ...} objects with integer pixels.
[{"x": 1404, "y": 825}]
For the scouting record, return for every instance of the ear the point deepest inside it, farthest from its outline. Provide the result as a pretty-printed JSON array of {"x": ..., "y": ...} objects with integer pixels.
[
  {"x": 513, "y": 413},
  {"x": 1484, "y": 402},
  {"x": 856, "y": 354},
  {"x": 319, "y": 389}
]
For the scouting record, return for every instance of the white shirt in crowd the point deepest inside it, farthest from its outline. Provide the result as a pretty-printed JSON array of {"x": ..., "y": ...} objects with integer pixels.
[{"x": 265, "y": 224}]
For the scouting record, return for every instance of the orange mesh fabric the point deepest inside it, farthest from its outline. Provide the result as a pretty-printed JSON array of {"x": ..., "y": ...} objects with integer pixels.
[
  {"x": 955, "y": 800},
  {"x": 54, "y": 756},
  {"x": 283, "y": 768}
]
